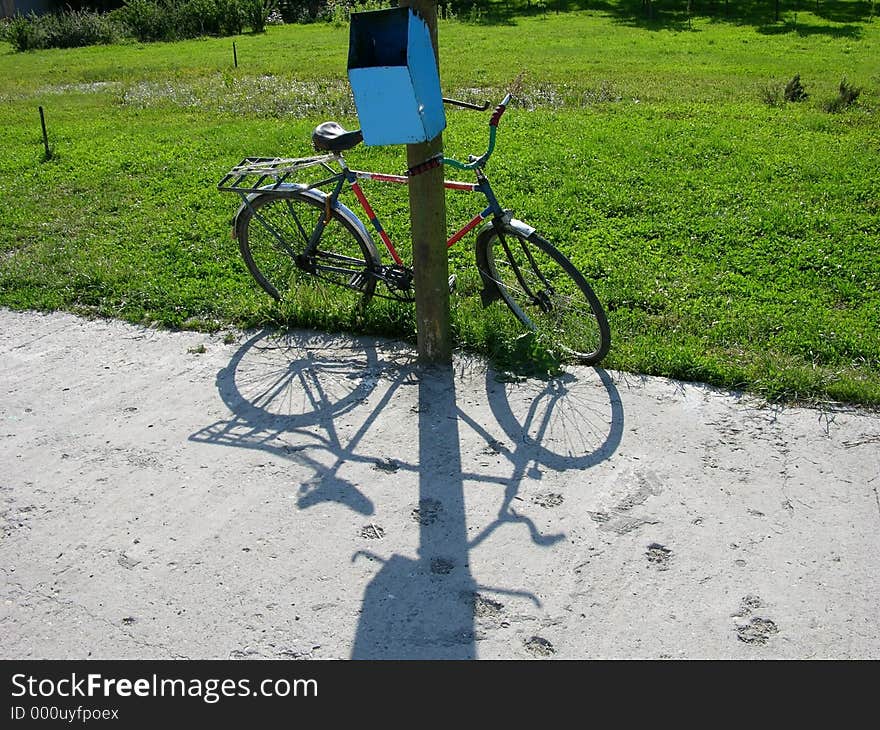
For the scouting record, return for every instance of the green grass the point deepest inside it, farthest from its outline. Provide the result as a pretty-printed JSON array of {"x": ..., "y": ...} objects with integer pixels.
[{"x": 733, "y": 242}]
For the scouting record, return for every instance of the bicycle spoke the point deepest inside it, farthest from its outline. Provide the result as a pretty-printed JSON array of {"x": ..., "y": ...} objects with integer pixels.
[
  {"x": 280, "y": 240},
  {"x": 546, "y": 293},
  {"x": 278, "y": 253},
  {"x": 293, "y": 214},
  {"x": 524, "y": 287}
]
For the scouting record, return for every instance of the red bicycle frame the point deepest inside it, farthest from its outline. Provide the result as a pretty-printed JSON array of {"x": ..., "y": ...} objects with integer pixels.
[{"x": 479, "y": 187}]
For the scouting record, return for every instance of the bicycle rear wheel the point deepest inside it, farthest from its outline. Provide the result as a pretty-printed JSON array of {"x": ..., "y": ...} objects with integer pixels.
[
  {"x": 273, "y": 233},
  {"x": 545, "y": 291}
]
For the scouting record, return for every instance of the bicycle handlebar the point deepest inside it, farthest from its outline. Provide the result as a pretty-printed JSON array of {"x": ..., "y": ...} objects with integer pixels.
[
  {"x": 466, "y": 104},
  {"x": 493, "y": 129}
]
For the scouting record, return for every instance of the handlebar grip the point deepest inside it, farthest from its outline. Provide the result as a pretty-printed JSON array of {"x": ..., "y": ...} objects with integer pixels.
[
  {"x": 499, "y": 111},
  {"x": 496, "y": 116}
]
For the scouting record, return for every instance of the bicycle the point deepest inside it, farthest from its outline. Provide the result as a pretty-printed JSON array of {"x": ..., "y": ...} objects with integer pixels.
[{"x": 292, "y": 233}]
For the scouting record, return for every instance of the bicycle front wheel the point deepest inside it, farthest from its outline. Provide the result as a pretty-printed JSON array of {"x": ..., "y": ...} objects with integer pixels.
[
  {"x": 545, "y": 291},
  {"x": 273, "y": 233}
]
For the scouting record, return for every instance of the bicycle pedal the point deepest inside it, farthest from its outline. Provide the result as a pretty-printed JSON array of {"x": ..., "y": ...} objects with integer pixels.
[
  {"x": 452, "y": 283},
  {"x": 357, "y": 281}
]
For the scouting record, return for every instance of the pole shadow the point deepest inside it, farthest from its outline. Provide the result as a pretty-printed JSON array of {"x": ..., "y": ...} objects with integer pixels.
[
  {"x": 313, "y": 399},
  {"x": 418, "y": 608}
]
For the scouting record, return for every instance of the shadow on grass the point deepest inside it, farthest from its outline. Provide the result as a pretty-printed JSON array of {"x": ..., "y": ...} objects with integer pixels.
[
  {"x": 657, "y": 15},
  {"x": 853, "y": 32}
]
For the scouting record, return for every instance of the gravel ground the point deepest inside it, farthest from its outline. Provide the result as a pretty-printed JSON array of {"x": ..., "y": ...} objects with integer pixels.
[{"x": 248, "y": 495}]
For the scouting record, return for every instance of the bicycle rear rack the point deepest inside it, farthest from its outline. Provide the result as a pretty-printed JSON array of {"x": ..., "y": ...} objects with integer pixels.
[{"x": 259, "y": 174}]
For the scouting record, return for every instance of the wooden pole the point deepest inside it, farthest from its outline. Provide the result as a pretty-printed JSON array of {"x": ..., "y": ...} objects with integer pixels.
[
  {"x": 45, "y": 134},
  {"x": 427, "y": 206}
]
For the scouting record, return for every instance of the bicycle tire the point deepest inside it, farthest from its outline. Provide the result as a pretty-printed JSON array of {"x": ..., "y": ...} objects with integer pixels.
[
  {"x": 273, "y": 231},
  {"x": 544, "y": 290}
]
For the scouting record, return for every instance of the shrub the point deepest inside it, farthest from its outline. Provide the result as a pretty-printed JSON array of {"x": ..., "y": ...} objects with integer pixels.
[
  {"x": 776, "y": 95},
  {"x": 771, "y": 95},
  {"x": 275, "y": 17},
  {"x": 257, "y": 12},
  {"x": 144, "y": 20},
  {"x": 847, "y": 95},
  {"x": 232, "y": 17},
  {"x": 77, "y": 28},
  {"x": 148, "y": 20},
  {"x": 25, "y": 33},
  {"x": 794, "y": 90},
  {"x": 338, "y": 12},
  {"x": 300, "y": 11},
  {"x": 198, "y": 17},
  {"x": 66, "y": 29}
]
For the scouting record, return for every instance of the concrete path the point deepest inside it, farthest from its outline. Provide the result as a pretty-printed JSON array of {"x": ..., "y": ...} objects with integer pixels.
[{"x": 184, "y": 495}]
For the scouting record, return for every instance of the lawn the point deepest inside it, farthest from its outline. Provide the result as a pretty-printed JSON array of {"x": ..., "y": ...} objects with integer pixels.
[{"x": 733, "y": 237}]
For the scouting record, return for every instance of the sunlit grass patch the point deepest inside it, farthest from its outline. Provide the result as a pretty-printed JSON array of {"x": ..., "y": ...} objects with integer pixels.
[{"x": 733, "y": 241}]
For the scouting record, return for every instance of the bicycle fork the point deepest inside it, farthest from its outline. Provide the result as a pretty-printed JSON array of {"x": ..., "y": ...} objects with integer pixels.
[
  {"x": 541, "y": 299},
  {"x": 502, "y": 219}
]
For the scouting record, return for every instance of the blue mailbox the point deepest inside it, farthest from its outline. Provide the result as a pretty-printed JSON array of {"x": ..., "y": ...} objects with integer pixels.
[{"x": 394, "y": 78}]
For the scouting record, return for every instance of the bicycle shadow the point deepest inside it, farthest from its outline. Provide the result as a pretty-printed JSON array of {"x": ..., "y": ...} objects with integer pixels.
[
  {"x": 283, "y": 392},
  {"x": 336, "y": 409}
]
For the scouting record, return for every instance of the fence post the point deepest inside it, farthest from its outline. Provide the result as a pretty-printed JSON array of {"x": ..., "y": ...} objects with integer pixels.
[
  {"x": 45, "y": 135},
  {"x": 427, "y": 205}
]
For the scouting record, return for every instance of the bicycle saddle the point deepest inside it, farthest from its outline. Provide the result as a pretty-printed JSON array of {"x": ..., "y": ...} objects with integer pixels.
[{"x": 332, "y": 137}]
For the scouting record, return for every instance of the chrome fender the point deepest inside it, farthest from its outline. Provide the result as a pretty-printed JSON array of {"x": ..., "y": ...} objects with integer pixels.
[
  {"x": 490, "y": 291},
  {"x": 316, "y": 195},
  {"x": 519, "y": 226}
]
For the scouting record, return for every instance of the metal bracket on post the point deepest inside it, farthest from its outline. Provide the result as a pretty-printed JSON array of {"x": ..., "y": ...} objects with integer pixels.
[{"x": 429, "y": 164}]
